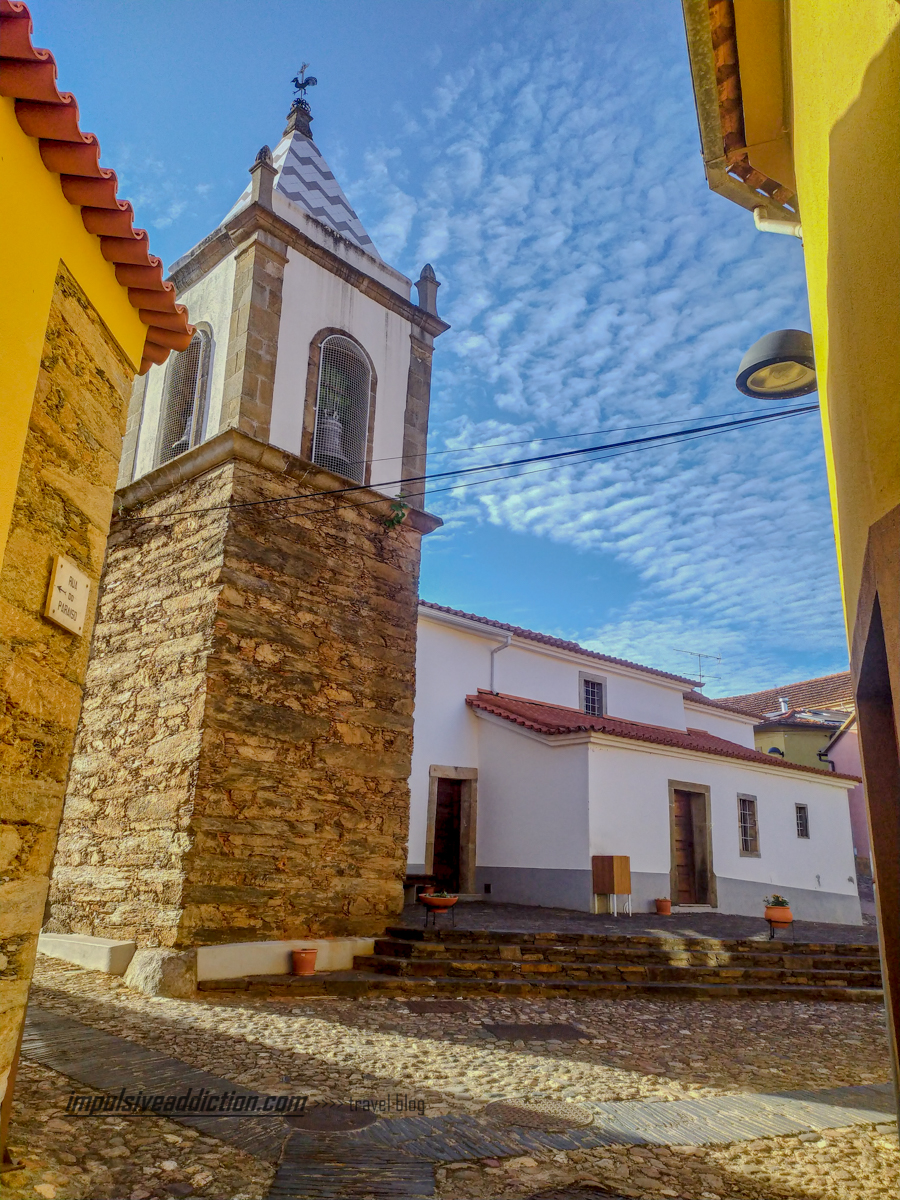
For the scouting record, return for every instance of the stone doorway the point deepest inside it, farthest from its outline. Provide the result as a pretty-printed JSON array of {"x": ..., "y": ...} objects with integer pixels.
[
  {"x": 692, "y": 880},
  {"x": 452, "y": 823}
]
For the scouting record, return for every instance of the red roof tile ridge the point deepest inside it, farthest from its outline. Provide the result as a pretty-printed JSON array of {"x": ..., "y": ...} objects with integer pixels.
[
  {"x": 708, "y": 701},
  {"x": 549, "y": 640},
  {"x": 28, "y": 75},
  {"x": 696, "y": 740}
]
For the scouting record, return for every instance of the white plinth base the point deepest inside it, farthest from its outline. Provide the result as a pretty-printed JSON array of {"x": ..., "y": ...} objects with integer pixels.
[
  {"x": 234, "y": 960},
  {"x": 95, "y": 953}
]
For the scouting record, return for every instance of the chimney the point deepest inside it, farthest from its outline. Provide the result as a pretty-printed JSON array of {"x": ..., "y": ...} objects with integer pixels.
[{"x": 784, "y": 704}]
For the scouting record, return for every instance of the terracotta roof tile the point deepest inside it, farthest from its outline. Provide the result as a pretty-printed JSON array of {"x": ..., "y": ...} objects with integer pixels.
[
  {"x": 557, "y": 719},
  {"x": 803, "y": 720},
  {"x": 724, "y": 705},
  {"x": 828, "y": 691},
  {"x": 29, "y": 76},
  {"x": 546, "y": 640}
]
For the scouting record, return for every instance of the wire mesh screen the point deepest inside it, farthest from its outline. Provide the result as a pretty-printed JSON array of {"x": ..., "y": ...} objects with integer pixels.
[
  {"x": 342, "y": 409},
  {"x": 182, "y": 411}
]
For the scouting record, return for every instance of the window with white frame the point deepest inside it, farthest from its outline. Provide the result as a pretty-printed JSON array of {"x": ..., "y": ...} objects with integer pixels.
[
  {"x": 592, "y": 696},
  {"x": 342, "y": 408},
  {"x": 802, "y": 812},
  {"x": 748, "y": 825},
  {"x": 183, "y": 410}
]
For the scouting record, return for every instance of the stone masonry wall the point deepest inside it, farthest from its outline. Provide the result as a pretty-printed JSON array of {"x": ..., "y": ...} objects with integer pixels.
[
  {"x": 119, "y": 868},
  {"x": 258, "y": 788},
  {"x": 63, "y": 505}
]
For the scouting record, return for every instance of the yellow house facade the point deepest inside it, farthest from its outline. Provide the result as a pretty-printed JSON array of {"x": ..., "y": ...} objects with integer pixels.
[
  {"x": 799, "y": 109},
  {"x": 83, "y": 308}
]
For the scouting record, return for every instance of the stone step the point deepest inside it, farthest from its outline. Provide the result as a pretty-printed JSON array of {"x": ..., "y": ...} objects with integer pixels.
[
  {"x": 401, "y": 948},
  {"x": 360, "y": 983},
  {"x": 414, "y": 968},
  {"x": 634, "y": 943}
]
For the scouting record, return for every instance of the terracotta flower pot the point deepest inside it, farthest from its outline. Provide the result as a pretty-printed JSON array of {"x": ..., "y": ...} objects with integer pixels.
[
  {"x": 304, "y": 961},
  {"x": 778, "y": 914},
  {"x": 663, "y": 907},
  {"x": 438, "y": 901}
]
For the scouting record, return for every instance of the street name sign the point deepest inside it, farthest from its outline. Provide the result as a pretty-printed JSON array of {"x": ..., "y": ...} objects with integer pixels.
[{"x": 67, "y": 597}]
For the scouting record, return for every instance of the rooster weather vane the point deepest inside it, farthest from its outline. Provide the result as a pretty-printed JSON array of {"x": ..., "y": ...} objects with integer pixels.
[{"x": 301, "y": 82}]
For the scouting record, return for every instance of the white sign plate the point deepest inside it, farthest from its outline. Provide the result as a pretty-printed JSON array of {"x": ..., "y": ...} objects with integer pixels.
[{"x": 67, "y": 598}]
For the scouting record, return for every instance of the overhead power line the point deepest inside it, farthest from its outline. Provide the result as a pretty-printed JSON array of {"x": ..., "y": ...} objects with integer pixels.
[{"x": 559, "y": 456}]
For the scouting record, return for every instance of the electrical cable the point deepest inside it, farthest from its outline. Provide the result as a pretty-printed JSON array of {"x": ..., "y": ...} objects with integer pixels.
[
  {"x": 685, "y": 434},
  {"x": 676, "y": 438}
]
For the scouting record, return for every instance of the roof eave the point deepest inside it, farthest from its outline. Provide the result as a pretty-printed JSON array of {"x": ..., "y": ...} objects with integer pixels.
[{"x": 717, "y": 164}]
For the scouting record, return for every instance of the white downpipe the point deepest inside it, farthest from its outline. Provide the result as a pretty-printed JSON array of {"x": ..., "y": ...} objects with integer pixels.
[
  {"x": 496, "y": 650},
  {"x": 766, "y": 224}
]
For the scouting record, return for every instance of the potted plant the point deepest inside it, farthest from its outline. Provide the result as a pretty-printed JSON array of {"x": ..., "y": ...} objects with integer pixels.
[
  {"x": 663, "y": 906},
  {"x": 438, "y": 899},
  {"x": 303, "y": 962},
  {"x": 778, "y": 910}
]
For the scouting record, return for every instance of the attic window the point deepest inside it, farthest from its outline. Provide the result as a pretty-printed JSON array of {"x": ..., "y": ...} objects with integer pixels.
[
  {"x": 183, "y": 411},
  {"x": 592, "y": 696},
  {"x": 342, "y": 409}
]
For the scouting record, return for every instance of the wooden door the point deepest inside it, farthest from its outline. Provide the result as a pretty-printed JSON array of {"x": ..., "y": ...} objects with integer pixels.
[
  {"x": 446, "y": 862},
  {"x": 685, "y": 853}
]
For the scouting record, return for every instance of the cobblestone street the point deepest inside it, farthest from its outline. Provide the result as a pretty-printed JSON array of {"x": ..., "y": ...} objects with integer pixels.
[{"x": 448, "y": 1064}]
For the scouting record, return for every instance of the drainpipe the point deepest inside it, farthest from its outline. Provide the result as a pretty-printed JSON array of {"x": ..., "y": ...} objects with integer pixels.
[
  {"x": 496, "y": 650},
  {"x": 766, "y": 224},
  {"x": 822, "y": 756}
]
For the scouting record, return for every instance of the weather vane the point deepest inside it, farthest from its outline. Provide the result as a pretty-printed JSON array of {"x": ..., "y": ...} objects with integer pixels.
[{"x": 301, "y": 82}]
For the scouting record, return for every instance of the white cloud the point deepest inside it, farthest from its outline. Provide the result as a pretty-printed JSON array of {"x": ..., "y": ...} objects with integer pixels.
[{"x": 592, "y": 281}]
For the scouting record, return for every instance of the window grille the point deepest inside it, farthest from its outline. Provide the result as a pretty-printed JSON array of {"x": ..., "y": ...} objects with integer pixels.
[
  {"x": 342, "y": 409},
  {"x": 184, "y": 399},
  {"x": 749, "y": 825},
  {"x": 593, "y": 697},
  {"x": 802, "y": 811}
]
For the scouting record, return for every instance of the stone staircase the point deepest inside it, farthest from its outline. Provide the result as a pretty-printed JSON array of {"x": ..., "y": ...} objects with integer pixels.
[{"x": 422, "y": 962}]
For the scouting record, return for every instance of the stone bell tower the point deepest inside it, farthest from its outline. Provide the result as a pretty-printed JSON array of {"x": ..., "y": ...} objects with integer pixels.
[{"x": 241, "y": 766}]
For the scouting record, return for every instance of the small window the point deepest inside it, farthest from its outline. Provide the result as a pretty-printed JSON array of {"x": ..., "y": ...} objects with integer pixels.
[
  {"x": 342, "y": 409},
  {"x": 802, "y": 811},
  {"x": 749, "y": 825},
  {"x": 183, "y": 411},
  {"x": 592, "y": 697}
]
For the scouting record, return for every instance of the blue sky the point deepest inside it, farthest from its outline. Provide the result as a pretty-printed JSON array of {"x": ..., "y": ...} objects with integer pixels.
[{"x": 545, "y": 158}]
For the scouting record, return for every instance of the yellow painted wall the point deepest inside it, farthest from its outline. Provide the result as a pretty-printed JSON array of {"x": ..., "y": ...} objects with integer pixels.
[
  {"x": 845, "y": 67},
  {"x": 38, "y": 227},
  {"x": 797, "y": 745}
]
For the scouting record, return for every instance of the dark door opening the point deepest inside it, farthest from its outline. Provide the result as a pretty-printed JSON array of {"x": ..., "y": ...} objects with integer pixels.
[
  {"x": 692, "y": 882},
  {"x": 447, "y": 828}
]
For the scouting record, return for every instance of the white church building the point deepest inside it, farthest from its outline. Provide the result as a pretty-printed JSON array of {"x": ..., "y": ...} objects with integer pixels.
[{"x": 532, "y": 755}]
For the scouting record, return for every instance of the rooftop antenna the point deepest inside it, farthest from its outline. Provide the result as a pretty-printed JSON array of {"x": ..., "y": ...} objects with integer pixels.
[{"x": 700, "y": 657}]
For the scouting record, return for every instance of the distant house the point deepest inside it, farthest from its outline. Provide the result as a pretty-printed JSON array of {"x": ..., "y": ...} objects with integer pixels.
[
  {"x": 843, "y": 752},
  {"x": 533, "y": 754}
]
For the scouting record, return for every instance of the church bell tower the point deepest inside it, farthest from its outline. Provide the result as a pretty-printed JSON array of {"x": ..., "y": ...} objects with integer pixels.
[{"x": 241, "y": 766}]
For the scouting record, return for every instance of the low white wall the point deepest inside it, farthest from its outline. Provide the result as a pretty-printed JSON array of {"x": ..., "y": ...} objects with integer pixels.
[
  {"x": 629, "y": 814},
  {"x": 234, "y": 960},
  {"x": 532, "y": 801}
]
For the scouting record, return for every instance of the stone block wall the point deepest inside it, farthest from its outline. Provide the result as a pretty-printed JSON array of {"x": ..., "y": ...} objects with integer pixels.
[
  {"x": 265, "y": 796},
  {"x": 63, "y": 506},
  {"x": 119, "y": 866}
]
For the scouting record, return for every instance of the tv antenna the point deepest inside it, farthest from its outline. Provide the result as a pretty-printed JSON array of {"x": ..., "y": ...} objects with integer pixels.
[{"x": 700, "y": 657}]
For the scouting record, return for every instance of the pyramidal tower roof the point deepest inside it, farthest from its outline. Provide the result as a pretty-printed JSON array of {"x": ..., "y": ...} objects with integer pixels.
[{"x": 304, "y": 178}]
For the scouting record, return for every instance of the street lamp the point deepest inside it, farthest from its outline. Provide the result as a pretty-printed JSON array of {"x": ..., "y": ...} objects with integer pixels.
[{"x": 780, "y": 364}]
